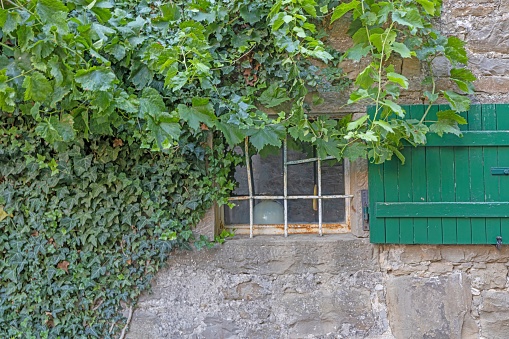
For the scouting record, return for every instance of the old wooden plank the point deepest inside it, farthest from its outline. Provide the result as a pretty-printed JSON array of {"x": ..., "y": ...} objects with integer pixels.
[{"x": 496, "y": 209}]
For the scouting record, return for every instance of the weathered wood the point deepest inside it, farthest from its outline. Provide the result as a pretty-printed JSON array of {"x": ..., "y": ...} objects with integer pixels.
[{"x": 479, "y": 210}]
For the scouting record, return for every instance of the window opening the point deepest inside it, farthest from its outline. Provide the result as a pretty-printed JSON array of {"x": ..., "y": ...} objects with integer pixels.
[{"x": 293, "y": 210}]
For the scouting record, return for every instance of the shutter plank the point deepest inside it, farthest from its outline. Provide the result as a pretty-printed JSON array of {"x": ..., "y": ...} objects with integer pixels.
[
  {"x": 462, "y": 177},
  {"x": 433, "y": 174},
  {"x": 376, "y": 193},
  {"x": 449, "y": 232},
  {"x": 418, "y": 164},
  {"x": 503, "y": 160},
  {"x": 405, "y": 194},
  {"x": 476, "y": 176},
  {"x": 391, "y": 189},
  {"x": 445, "y": 210},
  {"x": 491, "y": 182}
]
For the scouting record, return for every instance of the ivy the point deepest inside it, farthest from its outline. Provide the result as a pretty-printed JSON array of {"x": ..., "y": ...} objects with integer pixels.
[
  {"x": 107, "y": 109},
  {"x": 83, "y": 234}
]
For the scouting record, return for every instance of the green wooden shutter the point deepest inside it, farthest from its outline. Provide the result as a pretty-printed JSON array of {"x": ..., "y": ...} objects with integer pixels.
[{"x": 451, "y": 191}]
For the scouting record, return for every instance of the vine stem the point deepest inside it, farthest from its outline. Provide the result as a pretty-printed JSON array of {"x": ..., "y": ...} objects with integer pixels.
[
  {"x": 4, "y": 45},
  {"x": 380, "y": 70},
  {"x": 20, "y": 75},
  {"x": 124, "y": 330},
  {"x": 432, "y": 92}
]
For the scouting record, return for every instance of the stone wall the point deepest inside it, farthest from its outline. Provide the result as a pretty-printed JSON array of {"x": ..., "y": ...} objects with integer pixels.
[
  {"x": 341, "y": 286},
  {"x": 336, "y": 286}
]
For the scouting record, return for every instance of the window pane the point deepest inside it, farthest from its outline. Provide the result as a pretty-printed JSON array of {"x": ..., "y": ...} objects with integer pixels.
[
  {"x": 267, "y": 174},
  {"x": 238, "y": 214},
  {"x": 333, "y": 210}
]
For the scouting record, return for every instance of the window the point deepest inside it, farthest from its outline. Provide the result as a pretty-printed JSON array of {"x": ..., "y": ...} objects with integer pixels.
[{"x": 289, "y": 192}]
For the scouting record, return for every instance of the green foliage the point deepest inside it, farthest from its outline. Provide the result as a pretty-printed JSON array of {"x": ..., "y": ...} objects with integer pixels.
[
  {"x": 85, "y": 229},
  {"x": 383, "y": 32},
  {"x": 105, "y": 107}
]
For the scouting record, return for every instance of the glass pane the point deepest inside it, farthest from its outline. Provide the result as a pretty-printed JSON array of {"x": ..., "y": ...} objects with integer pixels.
[
  {"x": 333, "y": 211},
  {"x": 268, "y": 212},
  {"x": 267, "y": 174},
  {"x": 332, "y": 178},
  {"x": 301, "y": 212},
  {"x": 238, "y": 214}
]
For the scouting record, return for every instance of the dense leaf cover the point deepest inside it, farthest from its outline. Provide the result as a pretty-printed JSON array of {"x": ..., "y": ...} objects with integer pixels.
[
  {"x": 105, "y": 107},
  {"x": 87, "y": 230}
]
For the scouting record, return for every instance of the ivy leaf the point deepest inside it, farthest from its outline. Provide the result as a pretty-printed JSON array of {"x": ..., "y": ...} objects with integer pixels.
[
  {"x": 274, "y": 95},
  {"x": 455, "y": 50},
  {"x": 250, "y": 13},
  {"x": 429, "y": 6},
  {"x": 445, "y": 126},
  {"x": 38, "y": 88},
  {"x": 7, "y": 94},
  {"x": 53, "y": 129},
  {"x": 326, "y": 148},
  {"x": 384, "y": 124},
  {"x": 357, "y": 123},
  {"x": 96, "y": 78},
  {"x": 343, "y": 8},
  {"x": 82, "y": 164},
  {"x": 458, "y": 102},
  {"x": 451, "y": 115},
  {"x": 97, "y": 271},
  {"x": 309, "y": 7},
  {"x": 201, "y": 111},
  {"x": 268, "y": 135},
  {"x": 357, "y": 52},
  {"x": 463, "y": 78},
  {"x": 395, "y": 108},
  {"x": 402, "y": 49},
  {"x": 398, "y": 79},
  {"x": 48, "y": 8},
  {"x": 170, "y": 12},
  {"x": 355, "y": 150},
  {"x": 231, "y": 133},
  {"x": 410, "y": 18},
  {"x": 151, "y": 103},
  {"x": 365, "y": 79},
  {"x": 383, "y": 41}
]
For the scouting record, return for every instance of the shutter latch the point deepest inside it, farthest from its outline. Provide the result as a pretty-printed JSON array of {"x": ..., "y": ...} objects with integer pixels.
[
  {"x": 499, "y": 243},
  {"x": 365, "y": 210}
]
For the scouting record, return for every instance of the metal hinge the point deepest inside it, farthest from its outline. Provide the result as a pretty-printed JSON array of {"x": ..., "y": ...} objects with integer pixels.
[{"x": 365, "y": 210}]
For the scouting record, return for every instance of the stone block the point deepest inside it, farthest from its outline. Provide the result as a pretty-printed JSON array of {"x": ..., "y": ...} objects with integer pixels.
[
  {"x": 440, "y": 267},
  {"x": 493, "y": 84},
  {"x": 417, "y": 254},
  {"x": 494, "y": 314},
  {"x": 411, "y": 67},
  {"x": 267, "y": 287},
  {"x": 493, "y": 276},
  {"x": 436, "y": 307}
]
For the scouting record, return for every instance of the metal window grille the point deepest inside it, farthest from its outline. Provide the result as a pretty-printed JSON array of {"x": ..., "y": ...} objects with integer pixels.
[{"x": 285, "y": 197}]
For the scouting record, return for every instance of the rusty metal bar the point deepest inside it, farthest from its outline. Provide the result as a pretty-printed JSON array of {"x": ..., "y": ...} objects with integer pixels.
[
  {"x": 319, "y": 179},
  {"x": 250, "y": 186},
  {"x": 285, "y": 184},
  {"x": 290, "y": 197},
  {"x": 303, "y": 161}
]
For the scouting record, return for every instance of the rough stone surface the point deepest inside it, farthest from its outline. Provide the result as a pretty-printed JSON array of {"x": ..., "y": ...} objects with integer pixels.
[
  {"x": 494, "y": 313},
  {"x": 268, "y": 287},
  {"x": 435, "y": 307}
]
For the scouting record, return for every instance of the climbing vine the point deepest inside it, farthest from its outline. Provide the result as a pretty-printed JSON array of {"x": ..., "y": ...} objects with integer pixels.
[{"x": 108, "y": 109}]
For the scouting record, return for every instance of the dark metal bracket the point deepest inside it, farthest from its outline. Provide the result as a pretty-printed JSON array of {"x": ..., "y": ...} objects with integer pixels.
[
  {"x": 499, "y": 243},
  {"x": 500, "y": 171},
  {"x": 365, "y": 210}
]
